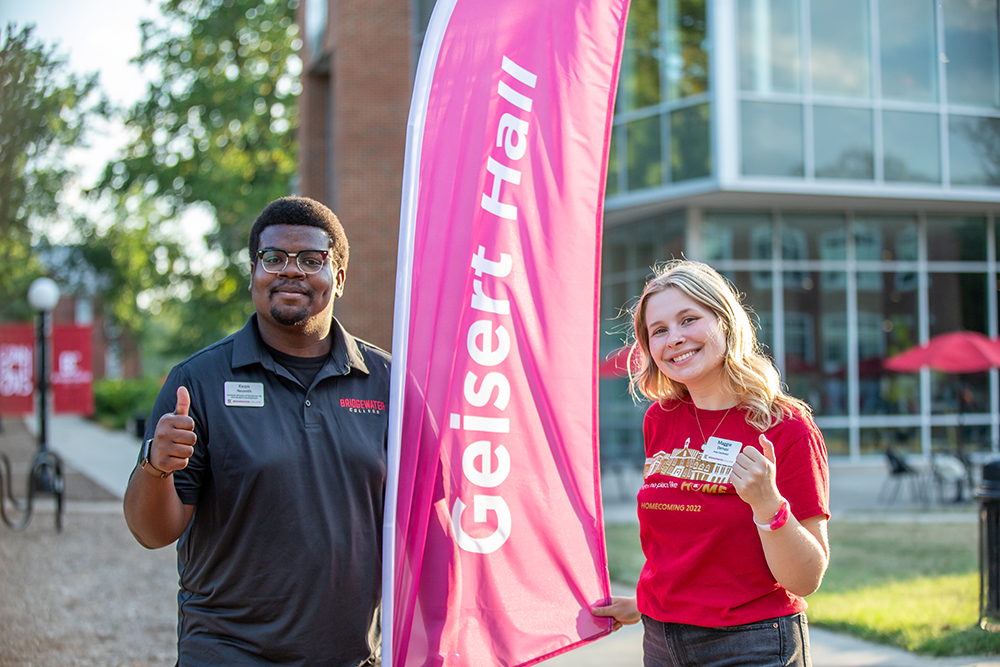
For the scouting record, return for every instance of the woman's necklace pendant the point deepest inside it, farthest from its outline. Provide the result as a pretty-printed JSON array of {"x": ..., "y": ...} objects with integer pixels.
[{"x": 704, "y": 440}]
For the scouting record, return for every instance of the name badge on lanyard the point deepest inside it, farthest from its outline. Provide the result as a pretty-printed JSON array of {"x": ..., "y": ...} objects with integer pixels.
[{"x": 721, "y": 451}]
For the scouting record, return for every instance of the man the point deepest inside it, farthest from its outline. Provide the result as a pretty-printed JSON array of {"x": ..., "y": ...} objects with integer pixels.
[{"x": 267, "y": 464}]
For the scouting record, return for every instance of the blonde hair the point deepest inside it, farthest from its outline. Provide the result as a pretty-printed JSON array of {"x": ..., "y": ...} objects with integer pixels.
[{"x": 747, "y": 372}]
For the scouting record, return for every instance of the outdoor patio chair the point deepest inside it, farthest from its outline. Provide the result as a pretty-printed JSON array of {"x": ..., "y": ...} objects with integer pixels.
[
  {"x": 901, "y": 473},
  {"x": 948, "y": 472}
]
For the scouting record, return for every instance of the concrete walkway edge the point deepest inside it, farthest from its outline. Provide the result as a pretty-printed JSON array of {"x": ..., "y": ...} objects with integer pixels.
[{"x": 105, "y": 456}]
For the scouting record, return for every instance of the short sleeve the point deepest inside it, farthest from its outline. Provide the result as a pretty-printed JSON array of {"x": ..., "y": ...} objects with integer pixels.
[{"x": 802, "y": 470}]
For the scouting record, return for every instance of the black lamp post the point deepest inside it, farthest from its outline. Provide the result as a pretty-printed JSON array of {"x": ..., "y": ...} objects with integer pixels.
[
  {"x": 43, "y": 295},
  {"x": 45, "y": 475},
  {"x": 46, "y": 472}
]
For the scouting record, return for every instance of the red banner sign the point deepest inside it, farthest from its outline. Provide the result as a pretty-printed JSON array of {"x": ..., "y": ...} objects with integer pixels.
[
  {"x": 17, "y": 369},
  {"x": 72, "y": 370}
]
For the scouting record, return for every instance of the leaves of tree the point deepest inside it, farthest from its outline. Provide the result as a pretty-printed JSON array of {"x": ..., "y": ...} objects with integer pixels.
[
  {"x": 44, "y": 111},
  {"x": 121, "y": 268},
  {"x": 216, "y": 127}
]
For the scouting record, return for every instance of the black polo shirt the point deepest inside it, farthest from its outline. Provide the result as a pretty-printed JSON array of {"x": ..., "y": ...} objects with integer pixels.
[{"x": 282, "y": 561}]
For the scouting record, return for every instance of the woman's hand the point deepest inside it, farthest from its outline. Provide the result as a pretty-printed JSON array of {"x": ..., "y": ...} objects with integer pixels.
[
  {"x": 753, "y": 477},
  {"x": 624, "y": 611},
  {"x": 797, "y": 553}
]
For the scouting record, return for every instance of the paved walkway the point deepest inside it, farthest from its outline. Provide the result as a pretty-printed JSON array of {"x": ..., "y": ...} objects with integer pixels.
[
  {"x": 107, "y": 458},
  {"x": 829, "y": 649}
]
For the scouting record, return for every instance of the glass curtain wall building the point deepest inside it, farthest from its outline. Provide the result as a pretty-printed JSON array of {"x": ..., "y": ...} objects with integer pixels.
[{"x": 839, "y": 161}]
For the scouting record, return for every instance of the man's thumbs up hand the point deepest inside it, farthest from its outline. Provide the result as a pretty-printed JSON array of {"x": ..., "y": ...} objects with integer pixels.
[
  {"x": 174, "y": 439},
  {"x": 183, "y": 403}
]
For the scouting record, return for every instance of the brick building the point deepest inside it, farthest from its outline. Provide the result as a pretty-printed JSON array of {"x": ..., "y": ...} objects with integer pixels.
[{"x": 356, "y": 81}]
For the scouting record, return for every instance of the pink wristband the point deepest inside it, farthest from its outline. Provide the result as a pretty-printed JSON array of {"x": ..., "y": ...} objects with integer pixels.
[{"x": 780, "y": 518}]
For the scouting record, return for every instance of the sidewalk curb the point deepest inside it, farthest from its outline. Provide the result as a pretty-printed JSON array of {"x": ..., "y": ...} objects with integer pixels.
[{"x": 106, "y": 457}]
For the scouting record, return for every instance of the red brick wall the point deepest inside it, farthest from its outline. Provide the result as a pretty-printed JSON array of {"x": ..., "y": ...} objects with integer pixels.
[
  {"x": 369, "y": 43},
  {"x": 312, "y": 136}
]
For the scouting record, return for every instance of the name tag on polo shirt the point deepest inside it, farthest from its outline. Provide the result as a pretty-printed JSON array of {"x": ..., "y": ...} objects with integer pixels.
[
  {"x": 721, "y": 451},
  {"x": 245, "y": 394}
]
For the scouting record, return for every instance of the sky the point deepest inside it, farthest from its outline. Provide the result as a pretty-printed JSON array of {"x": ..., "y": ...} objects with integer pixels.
[
  {"x": 94, "y": 36},
  {"x": 97, "y": 36}
]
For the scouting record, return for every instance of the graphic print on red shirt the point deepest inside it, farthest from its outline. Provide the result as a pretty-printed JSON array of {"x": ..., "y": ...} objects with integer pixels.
[{"x": 704, "y": 561}]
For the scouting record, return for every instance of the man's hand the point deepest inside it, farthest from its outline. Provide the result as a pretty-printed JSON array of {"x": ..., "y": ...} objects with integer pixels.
[
  {"x": 153, "y": 510},
  {"x": 173, "y": 442}
]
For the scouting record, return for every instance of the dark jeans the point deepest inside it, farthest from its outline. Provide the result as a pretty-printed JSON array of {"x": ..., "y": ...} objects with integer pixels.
[{"x": 775, "y": 642}]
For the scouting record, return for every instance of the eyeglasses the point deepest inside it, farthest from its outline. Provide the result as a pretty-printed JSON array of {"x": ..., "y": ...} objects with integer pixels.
[{"x": 274, "y": 260}]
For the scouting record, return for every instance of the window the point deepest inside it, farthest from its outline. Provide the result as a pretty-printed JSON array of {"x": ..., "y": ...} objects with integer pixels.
[
  {"x": 687, "y": 56},
  {"x": 957, "y": 239},
  {"x": 717, "y": 241},
  {"x": 760, "y": 248},
  {"x": 843, "y": 143},
  {"x": 972, "y": 150},
  {"x": 689, "y": 143},
  {"x": 736, "y": 236},
  {"x": 912, "y": 149},
  {"x": 771, "y": 139},
  {"x": 613, "y": 169},
  {"x": 971, "y": 52},
  {"x": 799, "y": 339},
  {"x": 813, "y": 236},
  {"x": 816, "y": 342},
  {"x": 809, "y": 106},
  {"x": 645, "y": 161},
  {"x": 885, "y": 238},
  {"x": 641, "y": 58},
  {"x": 315, "y": 28},
  {"x": 840, "y": 63},
  {"x": 907, "y": 41},
  {"x": 770, "y": 46}
]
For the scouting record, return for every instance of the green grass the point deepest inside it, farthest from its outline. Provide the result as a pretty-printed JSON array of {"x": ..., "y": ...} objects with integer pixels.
[
  {"x": 625, "y": 559},
  {"x": 915, "y": 586}
]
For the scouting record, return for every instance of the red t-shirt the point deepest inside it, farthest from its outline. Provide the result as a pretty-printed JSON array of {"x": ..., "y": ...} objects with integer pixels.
[{"x": 704, "y": 560}]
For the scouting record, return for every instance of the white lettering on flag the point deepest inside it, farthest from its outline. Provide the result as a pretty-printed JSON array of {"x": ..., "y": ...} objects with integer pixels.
[
  {"x": 509, "y": 125},
  {"x": 493, "y": 404}
]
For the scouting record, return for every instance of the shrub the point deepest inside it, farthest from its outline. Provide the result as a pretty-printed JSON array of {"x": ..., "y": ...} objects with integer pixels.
[{"x": 118, "y": 402}]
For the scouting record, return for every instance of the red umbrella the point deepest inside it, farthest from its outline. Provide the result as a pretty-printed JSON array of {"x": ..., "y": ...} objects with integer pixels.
[
  {"x": 952, "y": 352},
  {"x": 616, "y": 365}
]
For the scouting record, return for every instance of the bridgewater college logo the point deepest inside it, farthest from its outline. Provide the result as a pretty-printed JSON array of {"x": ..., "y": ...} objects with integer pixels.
[{"x": 363, "y": 406}]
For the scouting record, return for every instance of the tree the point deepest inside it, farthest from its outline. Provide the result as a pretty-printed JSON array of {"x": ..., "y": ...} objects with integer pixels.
[
  {"x": 125, "y": 268},
  {"x": 216, "y": 128},
  {"x": 44, "y": 111}
]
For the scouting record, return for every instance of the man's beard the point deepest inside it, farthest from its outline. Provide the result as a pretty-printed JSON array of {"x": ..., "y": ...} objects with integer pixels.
[{"x": 290, "y": 317}]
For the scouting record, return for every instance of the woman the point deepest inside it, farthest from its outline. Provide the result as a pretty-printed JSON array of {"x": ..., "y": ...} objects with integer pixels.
[{"x": 735, "y": 500}]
